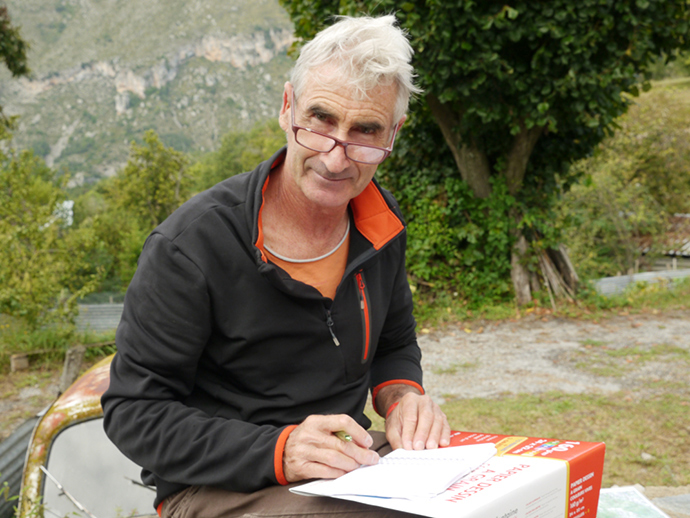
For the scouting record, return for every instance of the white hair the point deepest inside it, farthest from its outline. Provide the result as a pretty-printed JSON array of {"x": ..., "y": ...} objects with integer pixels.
[{"x": 367, "y": 52}]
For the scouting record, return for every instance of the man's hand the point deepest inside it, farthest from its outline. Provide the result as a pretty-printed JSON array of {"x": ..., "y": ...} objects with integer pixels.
[
  {"x": 313, "y": 451},
  {"x": 417, "y": 423}
]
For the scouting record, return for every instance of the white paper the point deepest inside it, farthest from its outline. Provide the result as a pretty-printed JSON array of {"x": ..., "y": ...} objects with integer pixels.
[{"x": 408, "y": 474}]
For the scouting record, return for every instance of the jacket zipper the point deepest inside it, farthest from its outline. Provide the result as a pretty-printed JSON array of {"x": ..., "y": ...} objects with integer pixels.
[
  {"x": 364, "y": 309},
  {"x": 329, "y": 323}
]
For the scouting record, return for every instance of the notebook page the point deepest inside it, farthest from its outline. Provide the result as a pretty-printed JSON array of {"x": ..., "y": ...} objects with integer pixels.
[{"x": 407, "y": 474}]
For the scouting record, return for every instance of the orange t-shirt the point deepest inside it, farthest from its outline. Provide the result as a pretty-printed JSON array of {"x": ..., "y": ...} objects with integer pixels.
[{"x": 323, "y": 274}]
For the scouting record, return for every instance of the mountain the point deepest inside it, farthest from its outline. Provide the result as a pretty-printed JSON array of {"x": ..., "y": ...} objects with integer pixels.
[{"x": 105, "y": 71}]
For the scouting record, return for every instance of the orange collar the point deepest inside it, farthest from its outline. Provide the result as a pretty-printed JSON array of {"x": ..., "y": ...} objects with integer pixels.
[{"x": 374, "y": 218}]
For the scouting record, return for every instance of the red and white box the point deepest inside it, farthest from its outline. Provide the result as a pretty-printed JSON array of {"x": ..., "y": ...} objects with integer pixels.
[{"x": 529, "y": 477}]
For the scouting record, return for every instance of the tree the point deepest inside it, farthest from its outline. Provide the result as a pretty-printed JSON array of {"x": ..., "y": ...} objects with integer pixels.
[
  {"x": 43, "y": 266},
  {"x": 239, "y": 152},
  {"x": 12, "y": 52},
  {"x": 521, "y": 91},
  {"x": 121, "y": 211},
  {"x": 634, "y": 184},
  {"x": 153, "y": 183}
]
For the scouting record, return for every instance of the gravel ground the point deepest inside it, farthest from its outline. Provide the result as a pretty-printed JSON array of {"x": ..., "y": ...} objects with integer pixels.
[{"x": 541, "y": 353}]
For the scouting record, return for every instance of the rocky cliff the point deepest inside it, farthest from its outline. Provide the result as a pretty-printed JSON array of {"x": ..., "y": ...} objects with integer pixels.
[{"x": 106, "y": 71}]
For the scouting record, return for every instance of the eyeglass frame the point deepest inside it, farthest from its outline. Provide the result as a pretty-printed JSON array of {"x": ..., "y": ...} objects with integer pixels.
[{"x": 337, "y": 142}]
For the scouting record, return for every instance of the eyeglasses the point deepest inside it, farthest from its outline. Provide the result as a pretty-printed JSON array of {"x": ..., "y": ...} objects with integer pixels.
[{"x": 322, "y": 143}]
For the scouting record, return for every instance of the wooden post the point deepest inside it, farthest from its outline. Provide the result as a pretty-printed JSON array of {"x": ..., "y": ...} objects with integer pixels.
[
  {"x": 19, "y": 362},
  {"x": 70, "y": 371}
]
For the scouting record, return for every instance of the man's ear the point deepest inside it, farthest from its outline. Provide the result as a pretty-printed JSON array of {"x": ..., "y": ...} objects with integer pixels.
[{"x": 284, "y": 118}]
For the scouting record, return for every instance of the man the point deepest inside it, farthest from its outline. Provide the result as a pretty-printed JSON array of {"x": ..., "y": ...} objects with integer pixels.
[{"x": 264, "y": 309}]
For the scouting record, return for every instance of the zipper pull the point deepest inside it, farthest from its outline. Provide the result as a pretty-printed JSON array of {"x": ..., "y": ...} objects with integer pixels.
[
  {"x": 361, "y": 286},
  {"x": 329, "y": 323}
]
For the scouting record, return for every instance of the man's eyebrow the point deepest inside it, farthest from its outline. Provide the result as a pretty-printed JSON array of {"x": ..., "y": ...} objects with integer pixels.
[
  {"x": 371, "y": 127},
  {"x": 321, "y": 111},
  {"x": 368, "y": 126}
]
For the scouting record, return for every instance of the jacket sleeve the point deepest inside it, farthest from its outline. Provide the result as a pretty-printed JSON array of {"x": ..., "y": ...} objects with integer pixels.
[
  {"x": 164, "y": 328},
  {"x": 398, "y": 356}
]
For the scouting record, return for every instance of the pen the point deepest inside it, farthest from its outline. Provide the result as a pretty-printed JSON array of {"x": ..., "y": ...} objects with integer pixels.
[{"x": 343, "y": 436}]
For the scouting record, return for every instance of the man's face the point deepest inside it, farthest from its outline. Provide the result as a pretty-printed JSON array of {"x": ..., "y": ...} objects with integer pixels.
[{"x": 331, "y": 180}]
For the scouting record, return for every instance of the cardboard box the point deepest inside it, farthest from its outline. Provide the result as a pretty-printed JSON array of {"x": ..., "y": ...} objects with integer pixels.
[{"x": 529, "y": 477}]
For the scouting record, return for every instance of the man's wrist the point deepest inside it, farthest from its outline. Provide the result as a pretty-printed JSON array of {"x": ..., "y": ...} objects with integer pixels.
[{"x": 386, "y": 395}]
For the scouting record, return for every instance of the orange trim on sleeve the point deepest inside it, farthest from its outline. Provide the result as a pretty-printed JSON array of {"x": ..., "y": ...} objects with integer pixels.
[
  {"x": 374, "y": 218},
  {"x": 278, "y": 455},
  {"x": 391, "y": 408},
  {"x": 160, "y": 509},
  {"x": 376, "y": 389}
]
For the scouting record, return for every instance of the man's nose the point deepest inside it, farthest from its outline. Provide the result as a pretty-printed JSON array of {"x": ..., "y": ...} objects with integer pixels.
[{"x": 336, "y": 160}]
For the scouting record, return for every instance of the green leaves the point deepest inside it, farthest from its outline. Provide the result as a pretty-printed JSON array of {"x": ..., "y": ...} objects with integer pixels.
[
  {"x": 153, "y": 183},
  {"x": 634, "y": 181},
  {"x": 239, "y": 152},
  {"x": 13, "y": 52},
  {"x": 43, "y": 260}
]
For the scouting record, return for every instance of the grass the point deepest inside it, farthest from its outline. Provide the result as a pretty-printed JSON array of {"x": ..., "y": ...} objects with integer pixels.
[
  {"x": 647, "y": 442},
  {"x": 598, "y": 359},
  {"x": 45, "y": 365},
  {"x": 457, "y": 367}
]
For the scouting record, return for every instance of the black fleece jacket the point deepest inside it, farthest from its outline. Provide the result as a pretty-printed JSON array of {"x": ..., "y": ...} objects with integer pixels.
[{"x": 220, "y": 353}]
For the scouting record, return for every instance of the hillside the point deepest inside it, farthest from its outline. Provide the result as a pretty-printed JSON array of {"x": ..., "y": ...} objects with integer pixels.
[{"x": 105, "y": 71}]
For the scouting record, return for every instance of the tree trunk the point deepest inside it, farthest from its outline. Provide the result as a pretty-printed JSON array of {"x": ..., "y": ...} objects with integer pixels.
[
  {"x": 516, "y": 166},
  {"x": 519, "y": 273},
  {"x": 472, "y": 163},
  {"x": 564, "y": 266}
]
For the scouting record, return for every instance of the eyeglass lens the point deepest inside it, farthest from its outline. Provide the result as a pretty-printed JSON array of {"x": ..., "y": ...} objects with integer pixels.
[{"x": 324, "y": 144}]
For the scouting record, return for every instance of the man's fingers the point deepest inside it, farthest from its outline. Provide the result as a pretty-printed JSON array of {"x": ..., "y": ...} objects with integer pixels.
[
  {"x": 408, "y": 420},
  {"x": 348, "y": 456},
  {"x": 313, "y": 450},
  {"x": 417, "y": 423},
  {"x": 425, "y": 421},
  {"x": 439, "y": 435},
  {"x": 317, "y": 470}
]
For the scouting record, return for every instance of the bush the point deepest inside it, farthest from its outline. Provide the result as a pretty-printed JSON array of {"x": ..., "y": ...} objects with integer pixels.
[{"x": 633, "y": 183}]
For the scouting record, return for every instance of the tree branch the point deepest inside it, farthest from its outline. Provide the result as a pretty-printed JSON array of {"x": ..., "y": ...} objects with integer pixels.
[
  {"x": 472, "y": 163},
  {"x": 518, "y": 157}
]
